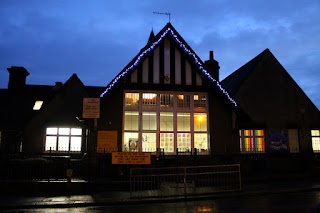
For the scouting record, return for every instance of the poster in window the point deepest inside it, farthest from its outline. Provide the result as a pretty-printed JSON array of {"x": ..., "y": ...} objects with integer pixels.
[
  {"x": 278, "y": 141},
  {"x": 133, "y": 144}
]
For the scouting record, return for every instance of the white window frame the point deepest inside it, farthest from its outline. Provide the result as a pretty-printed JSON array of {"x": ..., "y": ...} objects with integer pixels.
[
  {"x": 175, "y": 110},
  {"x": 58, "y": 137}
]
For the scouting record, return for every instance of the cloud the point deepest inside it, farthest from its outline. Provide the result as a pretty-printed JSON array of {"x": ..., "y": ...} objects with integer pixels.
[{"x": 96, "y": 39}]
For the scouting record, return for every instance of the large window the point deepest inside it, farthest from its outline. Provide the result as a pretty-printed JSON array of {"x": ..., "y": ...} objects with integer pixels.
[
  {"x": 252, "y": 141},
  {"x": 168, "y": 121},
  {"x": 62, "y": 139},
  {"x": 315, "y": 137}
]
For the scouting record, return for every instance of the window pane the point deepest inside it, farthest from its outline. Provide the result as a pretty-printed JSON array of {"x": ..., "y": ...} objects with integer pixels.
[
  {"x": 64, "y": 131},
  {"x": 199, "y": 101},
  {"x": 52, "y": 131},
  {"x": 75, "y": 144},
  {"x": 316, "y": 144},
  {"x": 166, "y": 100},
  {"x": 184, "y": 101},
  {"x": 248, "y": 133},
  {"x": 131, "y": 141},
  {"x": 51, "y": 143},
  {"x": 149, "y": 121},
  {"x": 149, "y": 142},
  {"x": 76, "y": 131},
  {"x": 201, "y": 141},
  {"x": 63, "y": 143},
  {"x": 258, "y": 132},
  {"x": 132, "y": 100},
  {"x": 183, "y": 121},
  {"x": 252, "y": 140},
  {"x": 184, "y": 142},
  {"x": 248, "y": 144},
  {"x": 166, "y": 142},
  {"x": 149, "y": 100},
  {"x": 259, "y": 144},
  {"x": 131, "y": 121},
  {"x": 315, "y": 132},
  {"x": 200, "y": 122},
  {"x": 166, "y": 121}
]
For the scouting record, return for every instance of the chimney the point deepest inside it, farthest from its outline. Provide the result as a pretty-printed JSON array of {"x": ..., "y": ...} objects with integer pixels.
[
  {"x": 57, "y": 85},
  {"x": 17, "y": 78},
  {"x": 212, "y": 66}
]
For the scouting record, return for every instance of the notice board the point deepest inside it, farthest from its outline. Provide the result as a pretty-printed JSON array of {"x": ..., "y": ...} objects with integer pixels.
[
  {"x": 91, "y": 108},
  {"x": 107, "y": 141}
]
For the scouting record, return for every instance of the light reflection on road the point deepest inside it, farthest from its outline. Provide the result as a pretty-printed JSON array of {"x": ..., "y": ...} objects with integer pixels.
[{"x": 290, "y": 202}]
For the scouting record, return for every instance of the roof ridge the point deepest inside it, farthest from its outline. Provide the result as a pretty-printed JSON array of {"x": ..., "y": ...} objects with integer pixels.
[{"x": 236, "y": 78}]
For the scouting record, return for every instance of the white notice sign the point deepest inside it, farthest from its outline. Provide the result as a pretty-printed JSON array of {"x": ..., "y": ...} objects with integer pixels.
[{"x": 91, "y": 108}]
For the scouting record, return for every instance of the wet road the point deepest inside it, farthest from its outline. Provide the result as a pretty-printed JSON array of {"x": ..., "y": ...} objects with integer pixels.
[{"x": 285, "y": 202}]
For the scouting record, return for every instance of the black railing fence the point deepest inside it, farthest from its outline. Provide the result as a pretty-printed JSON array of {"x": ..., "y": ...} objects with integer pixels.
[{"x": 89, "y": 167}]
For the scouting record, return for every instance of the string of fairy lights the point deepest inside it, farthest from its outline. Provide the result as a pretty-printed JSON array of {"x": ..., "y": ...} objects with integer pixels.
[{"x": 187, "y": 51}]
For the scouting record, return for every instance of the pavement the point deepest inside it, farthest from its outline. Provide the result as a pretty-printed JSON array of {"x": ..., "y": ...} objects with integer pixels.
[{"x": 18, "y": 198}]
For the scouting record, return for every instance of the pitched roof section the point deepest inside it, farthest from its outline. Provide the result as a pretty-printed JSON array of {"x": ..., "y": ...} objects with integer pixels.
[
  {"x": 14, "y": 117},
  {"x": 235, "y": 80},
  {"x": 168, "y": 30}
]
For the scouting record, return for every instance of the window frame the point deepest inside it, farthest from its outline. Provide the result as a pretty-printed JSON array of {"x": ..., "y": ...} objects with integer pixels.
[
  {"x": 174, "y": 104},
  {"x": 59, "y": 135},
  {"x": 315, "y": 140},
  {"x": 254, "y": 149}
]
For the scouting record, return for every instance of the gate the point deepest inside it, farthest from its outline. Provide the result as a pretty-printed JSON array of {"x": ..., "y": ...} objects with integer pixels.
[{"x": 184, "y": 181}]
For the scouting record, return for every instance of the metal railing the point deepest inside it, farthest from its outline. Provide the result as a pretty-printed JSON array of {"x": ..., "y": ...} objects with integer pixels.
[{"x": 184, "y": 181}]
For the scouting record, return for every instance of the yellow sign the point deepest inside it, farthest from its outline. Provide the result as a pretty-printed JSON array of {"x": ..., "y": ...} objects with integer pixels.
[
  {"x": 91, "y": 108},
  {"x": 131, "y": 158},
  {"x": 107, "y": 141}
]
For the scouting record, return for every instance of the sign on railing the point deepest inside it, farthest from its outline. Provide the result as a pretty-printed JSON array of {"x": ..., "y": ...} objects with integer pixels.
[{"x": 131, "y": 158}]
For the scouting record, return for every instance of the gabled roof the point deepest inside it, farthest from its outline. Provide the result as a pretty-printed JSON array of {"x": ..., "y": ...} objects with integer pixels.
[
  {"x": 154, "y": 42},
  {"x": 235, "y": 79},
  {"x": 17, "y": 106}
]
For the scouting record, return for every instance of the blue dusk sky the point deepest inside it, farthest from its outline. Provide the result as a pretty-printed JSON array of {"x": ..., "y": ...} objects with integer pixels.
[{"x": 96, "y": 39}]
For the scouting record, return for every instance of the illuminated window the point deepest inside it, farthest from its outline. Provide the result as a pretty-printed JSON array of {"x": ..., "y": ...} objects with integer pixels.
[
  {"x": 131, "y": 141},
  {"x": 167, "y": 142},
  {"x": 169, "y": 121},
  {"x": 63, "y": 139},
  {"x": 252, "y": 141},
  {"x": 37, "y": 105},
  {"x": 166, "y": 121},
  {"x": 166, "y": 100},
  {"x": 149, "y": 142},
  {"x": 201, "y": 141},
  {"x": 131, "y": 120},
  {"x": 315, "y": 138},
  {"x": 184, "y": 142},
  {"x": 200, "y": 122},
  {"x": 149, "y": 121},
  {"x": 184, "y": 101},
  {"x": 183, "y": 121},
  {"x": 132, "y": 100},
  {"x": 149, "y": 100},
  {"x": 199, "y": 101}
]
